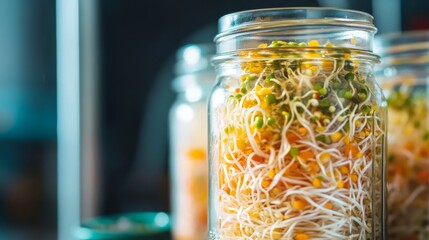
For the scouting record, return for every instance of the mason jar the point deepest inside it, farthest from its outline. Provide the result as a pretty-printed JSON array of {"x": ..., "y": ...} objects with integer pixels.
[
  {"x": 188, "y": 135},
  {"x": 297, "y": 127},
  {"x": 404, "y": 76}
]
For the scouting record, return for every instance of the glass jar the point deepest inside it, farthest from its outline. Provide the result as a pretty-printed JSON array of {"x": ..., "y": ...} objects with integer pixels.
[
  {"x": 188, "y": 134},
  {"x": 297, "y": 127},
  {"x": 404, "y": 76}
]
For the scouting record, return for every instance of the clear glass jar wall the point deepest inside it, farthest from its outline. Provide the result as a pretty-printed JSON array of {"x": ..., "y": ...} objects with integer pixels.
[
  {"x": 297, "y": 127},
  {"x": 404, "y": 76},
  {"x": 188, "y": 134}
]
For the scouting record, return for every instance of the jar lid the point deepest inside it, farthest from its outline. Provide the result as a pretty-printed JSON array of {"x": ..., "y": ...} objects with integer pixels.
[
  {"x": 403, "y": 48},
  {"x": 194, "y": 58},
  {"x": 333, "y": 25},
  {"x": 193, "y": 67},
  {"x": 141, "y": 225}
]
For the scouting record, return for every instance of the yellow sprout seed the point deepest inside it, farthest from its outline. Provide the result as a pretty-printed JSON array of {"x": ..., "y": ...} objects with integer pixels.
[
  {"x": 313, "y": 43},
  {"x": 336, "y": 136}
]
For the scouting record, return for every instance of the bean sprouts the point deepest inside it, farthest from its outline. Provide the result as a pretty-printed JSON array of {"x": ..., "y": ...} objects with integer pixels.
[
  {"x": 297, "y": 151},
  {"x": 408, "y": 182}
]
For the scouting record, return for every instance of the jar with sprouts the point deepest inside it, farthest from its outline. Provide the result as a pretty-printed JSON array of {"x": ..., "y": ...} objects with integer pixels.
[
  {"x": 404, "y": 76},
  {"x": 297, "y": 127}
]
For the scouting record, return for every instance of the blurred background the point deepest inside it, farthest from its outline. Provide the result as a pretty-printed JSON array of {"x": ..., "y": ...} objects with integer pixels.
[{"x": 110, "y": 92}]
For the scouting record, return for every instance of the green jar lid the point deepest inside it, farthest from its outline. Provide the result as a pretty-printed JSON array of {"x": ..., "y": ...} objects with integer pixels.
[{"x": 131, "y": 226}]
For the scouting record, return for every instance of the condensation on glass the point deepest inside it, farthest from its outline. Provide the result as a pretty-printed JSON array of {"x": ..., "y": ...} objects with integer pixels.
[
  {"x": 404, "y": 76},
  {"x": 188, "y": 134},
  {"x": 297, "y": 127}
]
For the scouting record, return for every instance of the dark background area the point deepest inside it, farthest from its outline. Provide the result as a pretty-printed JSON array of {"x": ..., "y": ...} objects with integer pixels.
[
  {"x": 27, "y": 119},
  {"x": 137, "y": 45},
  {"x": 136, "y": 84}
]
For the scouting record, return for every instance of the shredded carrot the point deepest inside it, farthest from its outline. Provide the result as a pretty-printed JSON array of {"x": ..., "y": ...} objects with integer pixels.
[
  {"x": 351, "y": 149},
  {"x": 291, "y": 169},
  {"x": 306, "y": 155},
  {"x": 292, "y": 137}
]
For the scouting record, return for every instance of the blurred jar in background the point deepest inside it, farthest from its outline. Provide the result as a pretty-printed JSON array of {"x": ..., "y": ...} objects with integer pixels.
[
  {"x": 404, "y": 76},
  {"x": 188, "y": 134}
]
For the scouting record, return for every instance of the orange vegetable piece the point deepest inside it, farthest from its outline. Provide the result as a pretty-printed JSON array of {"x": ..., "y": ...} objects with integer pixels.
[
  {"x": 325, "y": 157},
  {"x": 299, "y": 204},
  {"x": 271, "y": 173},
  {"x": 329, "y": 205},
  {"x": 328, "y": 64},
  {"x": 351, "y": 149},
  {"x": 197, "y": 154},
  {"x": 313, "y": 43},
  {"x": 317, "y": 183},
  {"x": 258, "y": 158},
  {"x": 409, "y": 146},
  {"x": 313, "y": 167},
  {"x": 344, "y": 169},
  {"x": 302, "y": 130},
  {"x": 256, "y": 68},
  {"x": 423, "y": 176},
  {"x": 292, "y": 137},
  {"x": 302, "y": 236},
  {"x": 276, "y": 190},
  {"x": 254, "y": 214},
  {"x": 396, "y": 169},
  {"x": 248, "y": 103},
  {"x": 247, "y": 191},
  {"x": 266, "y": 183},
  {"x": 423, "y": 153},
  {"x": 291, "y": 169},
  {"x": 241, "y": 144},
  {"x": 306, "y": 155}
]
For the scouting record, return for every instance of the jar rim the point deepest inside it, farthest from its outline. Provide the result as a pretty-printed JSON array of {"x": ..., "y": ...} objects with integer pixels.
[
  {"x": 193, "y": 67},
  {"x": 395, "y": 42},
  {"x": 329, "y": 53},
  {"x": 192, "y": 58},
  {"x": 257, "y": 19},
  {"x": 204, "y": 80},
  {"x": 410, "y": 47}
]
